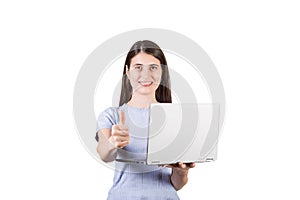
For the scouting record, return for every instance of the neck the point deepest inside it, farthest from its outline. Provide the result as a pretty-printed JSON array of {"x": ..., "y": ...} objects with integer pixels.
[{"x": 142, "y": 101}]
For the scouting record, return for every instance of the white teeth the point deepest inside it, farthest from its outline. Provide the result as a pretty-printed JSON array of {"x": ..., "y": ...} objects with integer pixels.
[{"x": 145, "y": 82}]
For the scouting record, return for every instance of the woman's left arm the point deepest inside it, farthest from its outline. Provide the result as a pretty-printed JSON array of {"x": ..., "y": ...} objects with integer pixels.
[{"x": 179, "y": 175}]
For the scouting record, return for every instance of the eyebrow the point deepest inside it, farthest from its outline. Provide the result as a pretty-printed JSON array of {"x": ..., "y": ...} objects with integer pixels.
[{"x": 153, "y": 64}]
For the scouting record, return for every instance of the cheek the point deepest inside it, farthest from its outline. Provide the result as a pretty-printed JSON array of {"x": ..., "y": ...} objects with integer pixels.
[
  {"x": 132, "y": 76},
  {"x": 157, "y": 76},
  {"x": 133, "y": 80}
]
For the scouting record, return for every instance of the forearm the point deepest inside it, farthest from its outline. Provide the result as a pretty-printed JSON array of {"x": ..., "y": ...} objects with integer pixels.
[
  {"x": 179, "y": 179},
  {"x": 105, "y": 149}
]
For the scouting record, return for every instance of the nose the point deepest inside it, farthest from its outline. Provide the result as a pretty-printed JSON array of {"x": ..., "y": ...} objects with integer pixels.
[{"x": 146, "y": 72}]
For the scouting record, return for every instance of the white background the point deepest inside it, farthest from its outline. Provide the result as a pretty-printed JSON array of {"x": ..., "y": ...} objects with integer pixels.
[{"x": 254, "y": 45}]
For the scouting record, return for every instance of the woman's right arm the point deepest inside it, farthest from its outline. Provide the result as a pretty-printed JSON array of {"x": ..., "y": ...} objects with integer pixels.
[
  {"x": 106, "y": 150},
  {"x": 112, "y": 139}
]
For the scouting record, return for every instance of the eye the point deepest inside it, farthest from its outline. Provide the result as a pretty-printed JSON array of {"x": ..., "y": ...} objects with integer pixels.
[
  {"x": 138, "y": 67},
  {"x": 153, "y": 67}
]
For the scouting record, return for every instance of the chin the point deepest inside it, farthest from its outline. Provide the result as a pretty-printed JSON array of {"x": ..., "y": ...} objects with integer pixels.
[{"x": 145, "y": 91}]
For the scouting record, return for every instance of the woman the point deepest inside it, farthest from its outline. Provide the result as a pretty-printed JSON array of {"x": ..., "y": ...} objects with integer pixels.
[{"x": 122, "y": 131}]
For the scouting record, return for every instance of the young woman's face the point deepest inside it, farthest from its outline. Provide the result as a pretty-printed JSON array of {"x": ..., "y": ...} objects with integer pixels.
[{"x": 144, "y": 73}]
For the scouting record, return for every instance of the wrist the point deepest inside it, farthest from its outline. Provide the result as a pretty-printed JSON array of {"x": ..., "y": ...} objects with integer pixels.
[{"x": 180, "y": 172}]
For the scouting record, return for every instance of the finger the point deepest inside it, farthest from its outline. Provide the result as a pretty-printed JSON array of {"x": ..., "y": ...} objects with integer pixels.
[
  {"x": 123, "y": 133},
  {"x": 122, "y": 117},
  {"x": 182, "y": 165},
  {"x": 120, "y": 138},
  {"x": 119, "y": 128},
  {"x": 120, "y": 132},
  {"x": 175, "y": 165},
  {"x": 122, "y": 144},
  {"x": 192, "y": 165}
]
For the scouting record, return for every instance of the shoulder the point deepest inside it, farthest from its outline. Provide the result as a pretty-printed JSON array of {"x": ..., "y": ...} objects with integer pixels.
[
  {"x": 110, "y": 114},
  {"x": 107, "y": 118},
  {"x": 109, "y": 111},
  {"x": 113, "y": 110}
]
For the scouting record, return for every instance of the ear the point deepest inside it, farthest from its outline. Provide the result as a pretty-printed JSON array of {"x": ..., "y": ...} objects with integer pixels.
[{"x": 127, "y": 71}]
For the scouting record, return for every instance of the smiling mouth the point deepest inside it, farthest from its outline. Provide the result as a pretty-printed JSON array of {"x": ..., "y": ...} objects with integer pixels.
[{"x": 146, "y": 83}]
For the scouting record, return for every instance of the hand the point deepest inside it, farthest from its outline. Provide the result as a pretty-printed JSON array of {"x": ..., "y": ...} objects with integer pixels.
[
  {"x": 119, "y": 133},
  {"x": 181, "y": 168}
]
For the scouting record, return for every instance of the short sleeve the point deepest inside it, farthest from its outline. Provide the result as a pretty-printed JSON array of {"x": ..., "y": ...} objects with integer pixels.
[{"x": 107, "y": 119}]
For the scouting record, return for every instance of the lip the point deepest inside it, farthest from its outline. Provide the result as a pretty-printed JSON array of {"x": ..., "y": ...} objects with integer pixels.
[{"x": 146, "y": 83}]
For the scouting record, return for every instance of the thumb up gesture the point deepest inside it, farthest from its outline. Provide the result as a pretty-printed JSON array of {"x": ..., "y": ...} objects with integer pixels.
[{"x": 119, "y": 133}]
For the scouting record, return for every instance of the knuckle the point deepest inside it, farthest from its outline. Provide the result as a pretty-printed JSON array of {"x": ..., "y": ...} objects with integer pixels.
[
  {"x": 114, "y": 126},
  {"x": 115, "y": 133},
  {"x": 118, "y": 145},
  {"x": 115, "y": 138}
]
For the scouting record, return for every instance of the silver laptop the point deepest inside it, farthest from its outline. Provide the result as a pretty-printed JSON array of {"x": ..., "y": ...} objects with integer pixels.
[{"x": 185, "y": 132}]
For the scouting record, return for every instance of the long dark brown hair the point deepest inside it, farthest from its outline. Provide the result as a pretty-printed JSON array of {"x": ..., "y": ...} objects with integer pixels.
[{"x": 163, "y": 92}]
